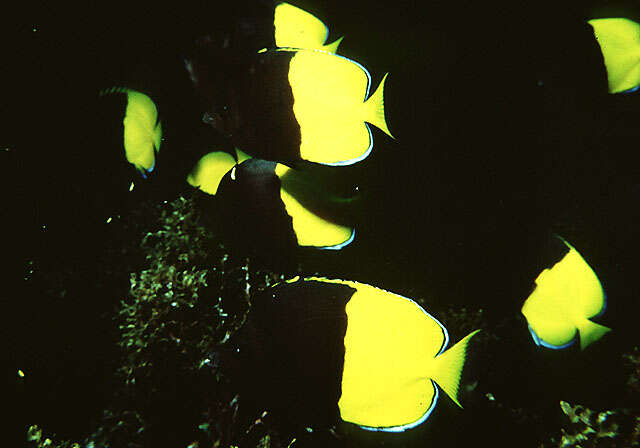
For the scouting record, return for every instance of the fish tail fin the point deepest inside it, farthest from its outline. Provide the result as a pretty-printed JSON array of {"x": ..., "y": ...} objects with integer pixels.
[
  {"x": 333, "y": 46},
  {"x": 590, "y": 332},
  {"x": 374, "y": 108},
  {"x": 157, "y": 136},
  {"x": 448, "y": 367}
]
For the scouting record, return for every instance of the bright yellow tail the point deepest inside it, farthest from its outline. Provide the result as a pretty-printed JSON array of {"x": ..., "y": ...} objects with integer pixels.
[
  {"x": 590, "y": 332},
  {"x": 448, "y": 368},
  {"x": 157, "y": 136},
  {"x": 333, "y": 46},
  {"x": 374, "y": 108}
]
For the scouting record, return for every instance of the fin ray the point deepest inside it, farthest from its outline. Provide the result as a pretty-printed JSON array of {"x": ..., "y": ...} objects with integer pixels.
[{"x": 448, "y": 367}]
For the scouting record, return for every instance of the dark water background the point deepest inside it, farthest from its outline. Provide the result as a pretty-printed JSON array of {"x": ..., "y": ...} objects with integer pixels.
[{"x": 505, "y": 134}]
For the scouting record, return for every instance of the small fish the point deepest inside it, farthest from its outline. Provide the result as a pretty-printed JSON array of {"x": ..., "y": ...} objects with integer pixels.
[
  {"x": 567, "y": 295},
  {"x": 619, "y": 40},
  {"x": 142, "y": 131},
  {"x": 292, "y": 105},
  {"x": 297, "y": 28},
  {"x": 274, "y": 199},
  {"x": 343, "y": 349}
]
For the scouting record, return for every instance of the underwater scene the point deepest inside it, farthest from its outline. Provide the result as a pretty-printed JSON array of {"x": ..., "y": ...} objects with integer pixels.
[{"x": 321, "y": 223}]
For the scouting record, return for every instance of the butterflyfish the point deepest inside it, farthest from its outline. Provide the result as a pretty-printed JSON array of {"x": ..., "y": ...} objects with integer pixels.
[
  {"x": 619, "y": 40},
  {"x": 565, "y": 299},
  {"x": 337, "y": 349},
  {"x": 142, "y": 130},
  {"x": 274, "y": 204},
  {"x": 297, "y": 28},
  {"x": 293, "y": 105}
]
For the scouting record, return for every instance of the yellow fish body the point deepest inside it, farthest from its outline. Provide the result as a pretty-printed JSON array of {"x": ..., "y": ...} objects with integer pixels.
[
  {"x": 333, "y": 114},
  {"x": 297, "y": 28},
  {"x": 142, "y": 131},
  {"x": 619, "y": 40},
  {"x": 383, "y": 353},
  {"x": 566, "y": 296}
]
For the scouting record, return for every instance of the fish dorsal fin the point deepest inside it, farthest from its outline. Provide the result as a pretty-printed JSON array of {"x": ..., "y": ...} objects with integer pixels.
[
  {"x": 297, "y": 28},
  {"x": 619, "y": 40}
]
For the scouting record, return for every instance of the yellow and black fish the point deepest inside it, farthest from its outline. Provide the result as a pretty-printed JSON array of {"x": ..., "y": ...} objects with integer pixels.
[
  {"x": 619, "y": 40},
  {"x": 141, "y": 128},
  {"x": 567, "y": 296},
  {"x": 289, "y": 105},
  {"x": 271, "y": 201},
  {"x": 342, "y": 349}
]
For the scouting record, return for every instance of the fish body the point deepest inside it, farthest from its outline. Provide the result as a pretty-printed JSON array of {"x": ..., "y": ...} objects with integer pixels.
[
  {"x": 272, "y": 202},
  {"x": 290, "y": 105},
  {"x": 297, "y": 28},
  {"x": 567, "y": 295},
  {"x": 363, "y": 354},
  {"x": 619, "y": 40},
  {"x": 141, "y": 129}
]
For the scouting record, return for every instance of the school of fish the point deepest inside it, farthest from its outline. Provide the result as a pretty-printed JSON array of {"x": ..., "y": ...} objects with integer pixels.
[{"x": 300, "y": 102}]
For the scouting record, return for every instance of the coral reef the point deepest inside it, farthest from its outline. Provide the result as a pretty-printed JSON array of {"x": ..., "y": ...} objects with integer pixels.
[
  {"x": 175, "y": 325},
  {"x": 586, "y": 428},
  {"x": 35, "y": 438},
  {"x": 589, "y": 428}
]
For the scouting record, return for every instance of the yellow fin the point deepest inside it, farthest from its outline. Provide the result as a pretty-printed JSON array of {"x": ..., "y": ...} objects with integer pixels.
[
  {"x": 447, "y": 367},
  {"x": 242, "y": 156},
  {"x": 333, "y": 46},
  {"x": 590, "y": 332},
  {"x": 297, "y": 28},
  {"x": 374, "y": 108},
  {"x": 619, "y": 39},
  {"x": 157, "y": 136}
]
